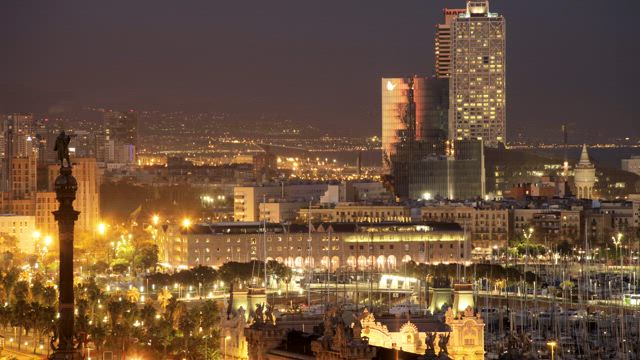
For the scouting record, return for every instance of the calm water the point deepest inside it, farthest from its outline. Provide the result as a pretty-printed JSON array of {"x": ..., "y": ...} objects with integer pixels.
[{"x": 609, "y": 157}]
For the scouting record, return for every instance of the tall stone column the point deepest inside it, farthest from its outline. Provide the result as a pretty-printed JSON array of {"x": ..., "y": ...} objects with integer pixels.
[{"x": 67, "y": 347}]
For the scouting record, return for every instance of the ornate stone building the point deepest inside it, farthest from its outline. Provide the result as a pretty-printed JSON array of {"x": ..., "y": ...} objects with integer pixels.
[{"x": 461, "y": 336}]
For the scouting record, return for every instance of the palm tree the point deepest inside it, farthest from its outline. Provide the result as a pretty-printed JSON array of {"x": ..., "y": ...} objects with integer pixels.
[
  {"x": 148, "y": 314},
  {"x": 43, "y": 322},
  {"x": 20, "y": 318},
  {"x": 9, "y": 281},
  {"x": 98, "y": 335},
  {"x": 133, "y": 294},
  {"x": 163, "y": 298}
]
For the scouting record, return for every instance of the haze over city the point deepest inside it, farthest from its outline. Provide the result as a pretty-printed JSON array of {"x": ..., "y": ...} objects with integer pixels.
[{"x": 569, "y": 62}]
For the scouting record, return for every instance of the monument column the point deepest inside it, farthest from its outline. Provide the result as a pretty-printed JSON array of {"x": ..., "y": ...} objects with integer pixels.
[{"x": 66, "y": 186}]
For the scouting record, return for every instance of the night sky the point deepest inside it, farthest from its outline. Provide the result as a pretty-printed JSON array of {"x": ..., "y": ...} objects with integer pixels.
[{"x": 316, "y": 61}]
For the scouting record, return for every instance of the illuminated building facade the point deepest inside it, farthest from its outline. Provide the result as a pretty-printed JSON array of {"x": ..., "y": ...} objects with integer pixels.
[
  {"x": 477, "y": 83},
  {"x": 380, "y": 246},
  {"x": 414, "y": 107}
]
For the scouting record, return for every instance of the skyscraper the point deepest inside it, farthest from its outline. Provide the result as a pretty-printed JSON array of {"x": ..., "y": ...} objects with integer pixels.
[
  {"x": 420, "y": 162},
  {"x": 443, "y": 43},
  {"x": 422, "y": 115},
  {"x": 477, "y": 106}
]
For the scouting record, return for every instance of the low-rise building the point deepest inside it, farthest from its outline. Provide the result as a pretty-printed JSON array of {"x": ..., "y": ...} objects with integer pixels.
[
  {"x": 280, "y": 211},
  {"x": 331, "y": 246}
]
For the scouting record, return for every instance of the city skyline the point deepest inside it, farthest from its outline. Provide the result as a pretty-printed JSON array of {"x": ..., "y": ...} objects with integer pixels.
[{"x": 148, "y": 69}]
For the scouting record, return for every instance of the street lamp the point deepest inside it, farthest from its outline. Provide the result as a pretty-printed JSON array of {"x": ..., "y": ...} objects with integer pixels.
[
  {"x": 527, "y": 235},
  {"x": 36, "y": 237},
  {"x": 617, "y": 241},
  {"x": 155, "y": 219},
  {"x": 102, "y": 229},
  {"x": 552, "y": 345},
  {"x": 186, "y": 223}
]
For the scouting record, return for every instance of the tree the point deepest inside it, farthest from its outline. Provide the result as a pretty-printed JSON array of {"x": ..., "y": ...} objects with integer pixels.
[
  {"x": 21, "y": 290},
  {"x": 564, "y": 248},
  {"x": 98, "y": 335},
  {"x": 43, "y": 322},
  {"x": 19, "y": 317},
  {"x": 147, "y": 257},
  {"x": 281, "y": 272},
  {"x": 120, "y": 266},
  {"x": 164, "y": 298},
  {"x": 133, "y": 294},
  {"x": 9, "y": 281}
]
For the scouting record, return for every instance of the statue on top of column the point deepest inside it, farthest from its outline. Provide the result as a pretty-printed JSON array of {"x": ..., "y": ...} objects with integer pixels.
[{"x": 62, "y": 147}]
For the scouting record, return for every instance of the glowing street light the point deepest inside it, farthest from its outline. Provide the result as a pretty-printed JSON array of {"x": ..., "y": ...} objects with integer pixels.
[
  {"x": 186, "y": 223},
  {"x": 48, "y": 240},
  {"x": 36, "y": 234},
  {"x": 155, "y": 219},
  {"x": 102, "y": 228},
  {"x": 552, "y": 345}
]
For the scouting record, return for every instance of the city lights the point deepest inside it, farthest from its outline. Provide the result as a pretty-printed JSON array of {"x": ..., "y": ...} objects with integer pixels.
[
  {"x": 102, "y": 228},
  {"x": 193, "y": 215}
]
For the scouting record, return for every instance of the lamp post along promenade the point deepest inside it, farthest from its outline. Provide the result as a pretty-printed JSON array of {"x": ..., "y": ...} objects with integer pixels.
[{"x": 67, "y": 346}]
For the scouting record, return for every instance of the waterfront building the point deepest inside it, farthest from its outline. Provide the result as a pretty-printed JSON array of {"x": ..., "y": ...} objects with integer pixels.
[
  {"x": 477, "y": 86},
  {"x": 552, "y": 225},
  {"x": 332, "y": 246},
  {"x": 584, "y": 176},
  {"x": 635, "y": 201}
]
